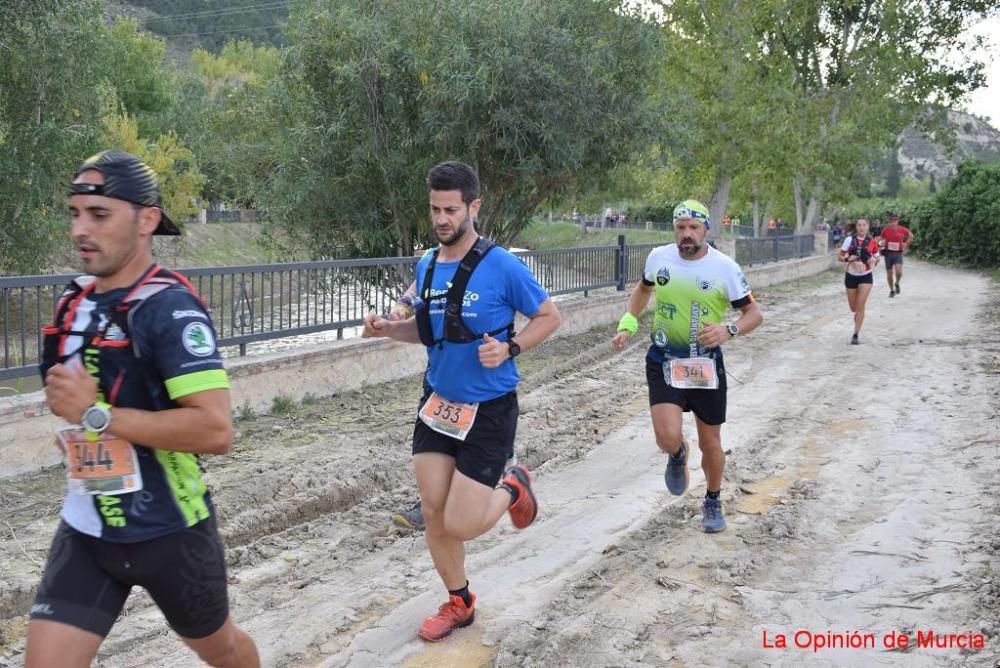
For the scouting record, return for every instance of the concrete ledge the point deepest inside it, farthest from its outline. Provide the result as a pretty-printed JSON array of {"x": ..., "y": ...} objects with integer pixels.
[{"x": 27, "y": 427}]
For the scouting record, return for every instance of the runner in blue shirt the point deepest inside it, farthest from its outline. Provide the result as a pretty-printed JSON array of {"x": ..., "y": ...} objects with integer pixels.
[{"x": 469, "y": 290}]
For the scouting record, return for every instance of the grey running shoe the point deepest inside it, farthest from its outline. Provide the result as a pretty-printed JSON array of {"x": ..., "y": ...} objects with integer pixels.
[
  {"x": 711, "y": 519},
  {"x": 676, "y": 473},
  {"x": 410, "y": 519},
  {"x": 897, "y": 287},
  {"x": 892, "y": 293},
  {"x": 854, "y": 339}
]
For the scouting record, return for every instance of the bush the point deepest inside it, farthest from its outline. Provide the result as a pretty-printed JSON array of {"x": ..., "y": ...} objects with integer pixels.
[
  {"x": 962, "y": 223},
  {"x": 656, "y": 213}
]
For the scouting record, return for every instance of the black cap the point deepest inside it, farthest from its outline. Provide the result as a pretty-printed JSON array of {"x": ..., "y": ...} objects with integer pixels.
[{"x": 128, "y": 178}]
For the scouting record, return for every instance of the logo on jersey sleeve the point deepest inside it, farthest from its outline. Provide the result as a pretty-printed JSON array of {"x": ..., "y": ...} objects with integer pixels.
[
  {"x": 744, "y": 283},
  {"x": 198, "y": 339}
]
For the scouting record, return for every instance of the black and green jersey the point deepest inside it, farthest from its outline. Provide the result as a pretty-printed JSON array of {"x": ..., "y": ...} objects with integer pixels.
[
  {"x": 161, "y": 350},
  {"x": 688, "y": 294}
]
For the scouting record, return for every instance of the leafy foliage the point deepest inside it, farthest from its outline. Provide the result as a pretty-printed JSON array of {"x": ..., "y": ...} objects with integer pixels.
[
  {"x": 962, "y": 223},
  {"x": 50, "y": 101},
  {"x": 537, "y": 96}
]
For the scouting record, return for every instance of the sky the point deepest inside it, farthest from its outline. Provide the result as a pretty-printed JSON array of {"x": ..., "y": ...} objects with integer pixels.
[{"x": 986, "y": 101}]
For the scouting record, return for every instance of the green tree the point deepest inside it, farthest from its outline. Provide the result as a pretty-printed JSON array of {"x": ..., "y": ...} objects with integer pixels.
[
  {"x": 228, "y": 111},
  {"x": 537, "y": 96},
  {"x": 860, "y": 73},
  {"x": 893, "y": 173},
  {"x": 180, "y": 180},
  {"x": 51, "y": 96}
]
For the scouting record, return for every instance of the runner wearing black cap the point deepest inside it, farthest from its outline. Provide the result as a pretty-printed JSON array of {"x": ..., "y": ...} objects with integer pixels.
[{"x": 130, "y": 363}]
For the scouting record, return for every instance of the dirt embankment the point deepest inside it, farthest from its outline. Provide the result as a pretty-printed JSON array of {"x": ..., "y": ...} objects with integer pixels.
[{"x": 860, "y": 495}]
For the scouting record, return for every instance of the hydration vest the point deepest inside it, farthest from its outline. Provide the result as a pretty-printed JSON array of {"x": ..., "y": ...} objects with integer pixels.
[
  {"x": 861, "y": 248},
  {"x": 112, "y": 336},
  {"x": 455, "y": 329}
]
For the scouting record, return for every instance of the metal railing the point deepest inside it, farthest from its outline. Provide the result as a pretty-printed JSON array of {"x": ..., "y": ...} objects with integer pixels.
[
  {"x": 772, "y": 249},
  {"x": 255, "y": 303}
]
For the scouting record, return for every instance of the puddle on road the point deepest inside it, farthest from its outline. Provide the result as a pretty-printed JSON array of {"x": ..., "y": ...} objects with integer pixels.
[
  {"x": 769, "y": 491},
  {"x": 464, "y": 649}
]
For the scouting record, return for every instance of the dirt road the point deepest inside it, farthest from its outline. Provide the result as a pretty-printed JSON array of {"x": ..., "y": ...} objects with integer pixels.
[{"x": 861, "y": 495}]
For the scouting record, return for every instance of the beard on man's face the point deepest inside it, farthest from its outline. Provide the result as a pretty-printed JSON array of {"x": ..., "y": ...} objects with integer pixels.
[{"x": 456, "y": 236}]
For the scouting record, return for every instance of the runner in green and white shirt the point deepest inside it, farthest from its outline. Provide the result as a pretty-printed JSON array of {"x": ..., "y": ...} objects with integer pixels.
[{"x": 695, "y": 285}]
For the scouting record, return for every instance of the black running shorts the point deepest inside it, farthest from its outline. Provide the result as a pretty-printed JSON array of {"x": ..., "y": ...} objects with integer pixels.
[
  {"x": 892, "y": 259},
  {"x": 851, "y": 282},
  {"x": 708, "y": 405},
  {"x": 87, "y": 580},
  {"x": 484, "y": 452}
]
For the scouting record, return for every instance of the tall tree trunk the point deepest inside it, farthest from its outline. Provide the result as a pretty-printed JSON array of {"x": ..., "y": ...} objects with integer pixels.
[
  {"x": 812, "y": 214},
  {"x": 719, "y": 202},
  {"x": 760, "y": 229},
  {"x": 800, "y": 205}
]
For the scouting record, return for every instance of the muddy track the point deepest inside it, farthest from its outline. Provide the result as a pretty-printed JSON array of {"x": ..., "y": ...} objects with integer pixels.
[{"x": 616, "y": 572}]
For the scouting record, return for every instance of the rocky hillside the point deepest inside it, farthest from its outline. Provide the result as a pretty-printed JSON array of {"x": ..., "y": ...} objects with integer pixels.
[{"x": 975, "y": 139}]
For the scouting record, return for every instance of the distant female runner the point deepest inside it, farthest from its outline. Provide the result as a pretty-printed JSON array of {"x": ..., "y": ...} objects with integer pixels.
[{"x": 860, "y": 252}]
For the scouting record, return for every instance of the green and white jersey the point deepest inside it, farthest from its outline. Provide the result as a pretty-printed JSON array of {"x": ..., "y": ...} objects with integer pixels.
[{"x": 689, "y": 293}]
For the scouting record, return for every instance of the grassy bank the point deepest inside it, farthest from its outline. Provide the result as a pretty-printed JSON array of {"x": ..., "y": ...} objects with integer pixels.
[{"x": 544, "y": 236}]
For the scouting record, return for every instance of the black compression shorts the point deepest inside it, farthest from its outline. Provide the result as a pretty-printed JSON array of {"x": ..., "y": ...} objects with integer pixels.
[{"x": 87, "y": 580}]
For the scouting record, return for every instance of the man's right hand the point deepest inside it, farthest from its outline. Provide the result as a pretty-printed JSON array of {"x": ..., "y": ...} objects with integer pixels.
[
  {"x": 620, "y": 339},
  {"x": 375, "y": 325}
]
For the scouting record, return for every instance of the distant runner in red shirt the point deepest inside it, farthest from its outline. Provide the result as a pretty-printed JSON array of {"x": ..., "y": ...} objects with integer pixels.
[{"x": 894, "y": 240}]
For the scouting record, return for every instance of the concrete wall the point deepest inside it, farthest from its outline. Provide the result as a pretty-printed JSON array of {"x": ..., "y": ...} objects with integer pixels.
[{"x": 27, "y": 427}]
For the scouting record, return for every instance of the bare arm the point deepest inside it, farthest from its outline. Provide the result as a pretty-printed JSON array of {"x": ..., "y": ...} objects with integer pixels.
[
  {"x": 202, "y": 424},
  {"x": 375, "y": 326},
  {"x": 493, "y": 353}
]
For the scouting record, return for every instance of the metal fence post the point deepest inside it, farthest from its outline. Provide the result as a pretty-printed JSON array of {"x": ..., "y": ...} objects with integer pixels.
[{"x": 621, "y": 263}]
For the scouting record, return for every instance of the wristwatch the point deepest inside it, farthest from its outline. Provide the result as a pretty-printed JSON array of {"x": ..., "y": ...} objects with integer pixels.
[
  {"x": 733, "y": 329},
  {"x": 513, "y": 349},
  {"x": 96, "y": 418}
]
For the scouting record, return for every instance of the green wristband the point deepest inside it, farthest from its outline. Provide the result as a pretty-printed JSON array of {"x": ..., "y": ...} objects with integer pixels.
[{"x": 628, "y": 323}]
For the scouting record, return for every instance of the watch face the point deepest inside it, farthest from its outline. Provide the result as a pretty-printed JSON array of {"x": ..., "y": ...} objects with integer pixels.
[
  {"x": 95, "y": 419},
  {"x": 514, "y": 349}
]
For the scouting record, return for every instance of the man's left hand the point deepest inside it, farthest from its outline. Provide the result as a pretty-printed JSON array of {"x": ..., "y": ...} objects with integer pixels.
[
  {"x": 493, "y": 353},
  {"x": 70, "y": 390},
  {"x": 712, "y": 336}
]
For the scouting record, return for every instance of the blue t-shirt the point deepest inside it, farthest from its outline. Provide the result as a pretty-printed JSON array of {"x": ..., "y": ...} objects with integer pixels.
[{"x": 500, "y": 285}]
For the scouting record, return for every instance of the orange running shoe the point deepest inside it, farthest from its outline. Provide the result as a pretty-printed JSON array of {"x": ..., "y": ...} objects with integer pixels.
[
  {"x": 525, "y": 509},
  {"x": 450, "y": 616}
]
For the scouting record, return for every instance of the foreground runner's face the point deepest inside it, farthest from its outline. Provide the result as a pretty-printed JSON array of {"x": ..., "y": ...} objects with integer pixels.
[
  {"x": 689, "y": 233},
  {"x": 451, "y": 218},
  {"x": 861, "y": 228},
  {"x": 105, "y": 230}
]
